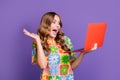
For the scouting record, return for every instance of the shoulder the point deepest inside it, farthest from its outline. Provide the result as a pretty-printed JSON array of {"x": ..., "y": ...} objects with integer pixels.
[
  {"x": 67, "y": 38},
  {"x": 68, "y": 42},
  {"x": 34, "y": 44}
]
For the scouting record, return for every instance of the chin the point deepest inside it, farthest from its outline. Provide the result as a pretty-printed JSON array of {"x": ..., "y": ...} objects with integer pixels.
[{"x": 53, "y": 36}]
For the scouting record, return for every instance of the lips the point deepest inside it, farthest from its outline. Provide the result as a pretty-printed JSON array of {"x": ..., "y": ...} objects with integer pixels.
[{"x": 54, "y": 31}]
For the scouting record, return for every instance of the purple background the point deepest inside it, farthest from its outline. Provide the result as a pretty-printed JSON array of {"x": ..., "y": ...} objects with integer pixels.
[{"x": 15, "y": 47}]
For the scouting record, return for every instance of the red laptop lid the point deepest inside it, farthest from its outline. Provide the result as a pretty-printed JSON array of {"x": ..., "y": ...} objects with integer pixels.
[{"x": 95, "y": 34}]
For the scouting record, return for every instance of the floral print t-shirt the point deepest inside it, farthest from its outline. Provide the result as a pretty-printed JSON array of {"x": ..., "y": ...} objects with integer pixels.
[{"x": 59, "y": 67}]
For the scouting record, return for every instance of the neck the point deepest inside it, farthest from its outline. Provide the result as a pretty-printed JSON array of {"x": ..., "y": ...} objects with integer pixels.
[{"x": 51, "y": 38}]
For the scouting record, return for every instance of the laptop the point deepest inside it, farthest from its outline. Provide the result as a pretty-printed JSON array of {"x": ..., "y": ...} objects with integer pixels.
[{"x": 95, "y": 34}]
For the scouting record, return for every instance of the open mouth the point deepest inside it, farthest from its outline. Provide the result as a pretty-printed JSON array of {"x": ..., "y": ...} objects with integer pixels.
[{"x": 55, "y": 31}]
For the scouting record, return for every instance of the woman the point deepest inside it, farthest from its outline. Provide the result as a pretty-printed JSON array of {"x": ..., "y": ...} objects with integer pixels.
[{"x": 51, "y": 47}]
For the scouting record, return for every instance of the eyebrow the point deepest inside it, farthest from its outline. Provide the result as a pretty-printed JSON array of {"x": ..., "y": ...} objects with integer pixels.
[{"x": 56, "y": 20}]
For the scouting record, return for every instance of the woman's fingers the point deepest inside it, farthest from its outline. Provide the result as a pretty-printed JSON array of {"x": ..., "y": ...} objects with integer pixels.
[
  {"x": 95, "y": 47},
  {"x": 26, "y": 32},
  {"x": 32, "y": 35}
]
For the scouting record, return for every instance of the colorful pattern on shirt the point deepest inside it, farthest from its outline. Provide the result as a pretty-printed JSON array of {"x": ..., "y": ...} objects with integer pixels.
[{"x": 59, "y": 67}]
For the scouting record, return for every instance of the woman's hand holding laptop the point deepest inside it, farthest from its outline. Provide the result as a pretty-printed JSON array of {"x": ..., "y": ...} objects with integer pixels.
[{"x": 93, "y": 49}]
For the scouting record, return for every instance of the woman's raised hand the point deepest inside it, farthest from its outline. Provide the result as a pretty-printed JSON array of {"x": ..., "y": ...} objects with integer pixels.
[{"x": 32, "y": 35}]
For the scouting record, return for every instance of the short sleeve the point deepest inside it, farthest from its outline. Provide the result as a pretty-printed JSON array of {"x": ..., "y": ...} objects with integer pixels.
[
  {"x": 70, "y": 46},
  {"x": 34, "y": 52}
]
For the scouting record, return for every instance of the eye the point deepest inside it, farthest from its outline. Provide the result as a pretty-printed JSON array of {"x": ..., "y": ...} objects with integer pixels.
[
  {"x": 54, "y": 21},
  {"x": 58, "y": 22}
]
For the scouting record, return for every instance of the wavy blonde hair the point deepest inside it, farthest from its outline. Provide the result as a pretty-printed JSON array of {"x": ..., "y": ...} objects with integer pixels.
[{"x": 44, "y": 30}]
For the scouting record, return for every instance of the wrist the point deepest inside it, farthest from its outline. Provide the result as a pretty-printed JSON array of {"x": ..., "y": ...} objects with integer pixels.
[
  {"x": 82, "y": 54},
  {"x": 38, "y": 40}
]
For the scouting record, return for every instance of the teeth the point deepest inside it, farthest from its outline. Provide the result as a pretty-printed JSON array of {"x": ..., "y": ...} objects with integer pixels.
[{"x": 55, "y": 30}]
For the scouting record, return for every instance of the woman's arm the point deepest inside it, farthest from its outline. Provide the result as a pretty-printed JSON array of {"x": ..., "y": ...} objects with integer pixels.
[
  {"x": 41, "y": 59},
  {"x": 78, "y": 60}
]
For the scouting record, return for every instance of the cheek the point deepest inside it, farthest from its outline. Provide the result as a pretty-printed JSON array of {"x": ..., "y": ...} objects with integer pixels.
[
  {"x": 59, "y": 28},
  {"x": 52, "y": 25},
  {"x": 50, "y": 31}
]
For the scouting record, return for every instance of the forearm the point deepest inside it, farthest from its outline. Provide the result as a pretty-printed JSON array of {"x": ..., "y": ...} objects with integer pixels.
[
  {"x": 77, "y": 61},
  {"x": 41, "y": 59}
]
